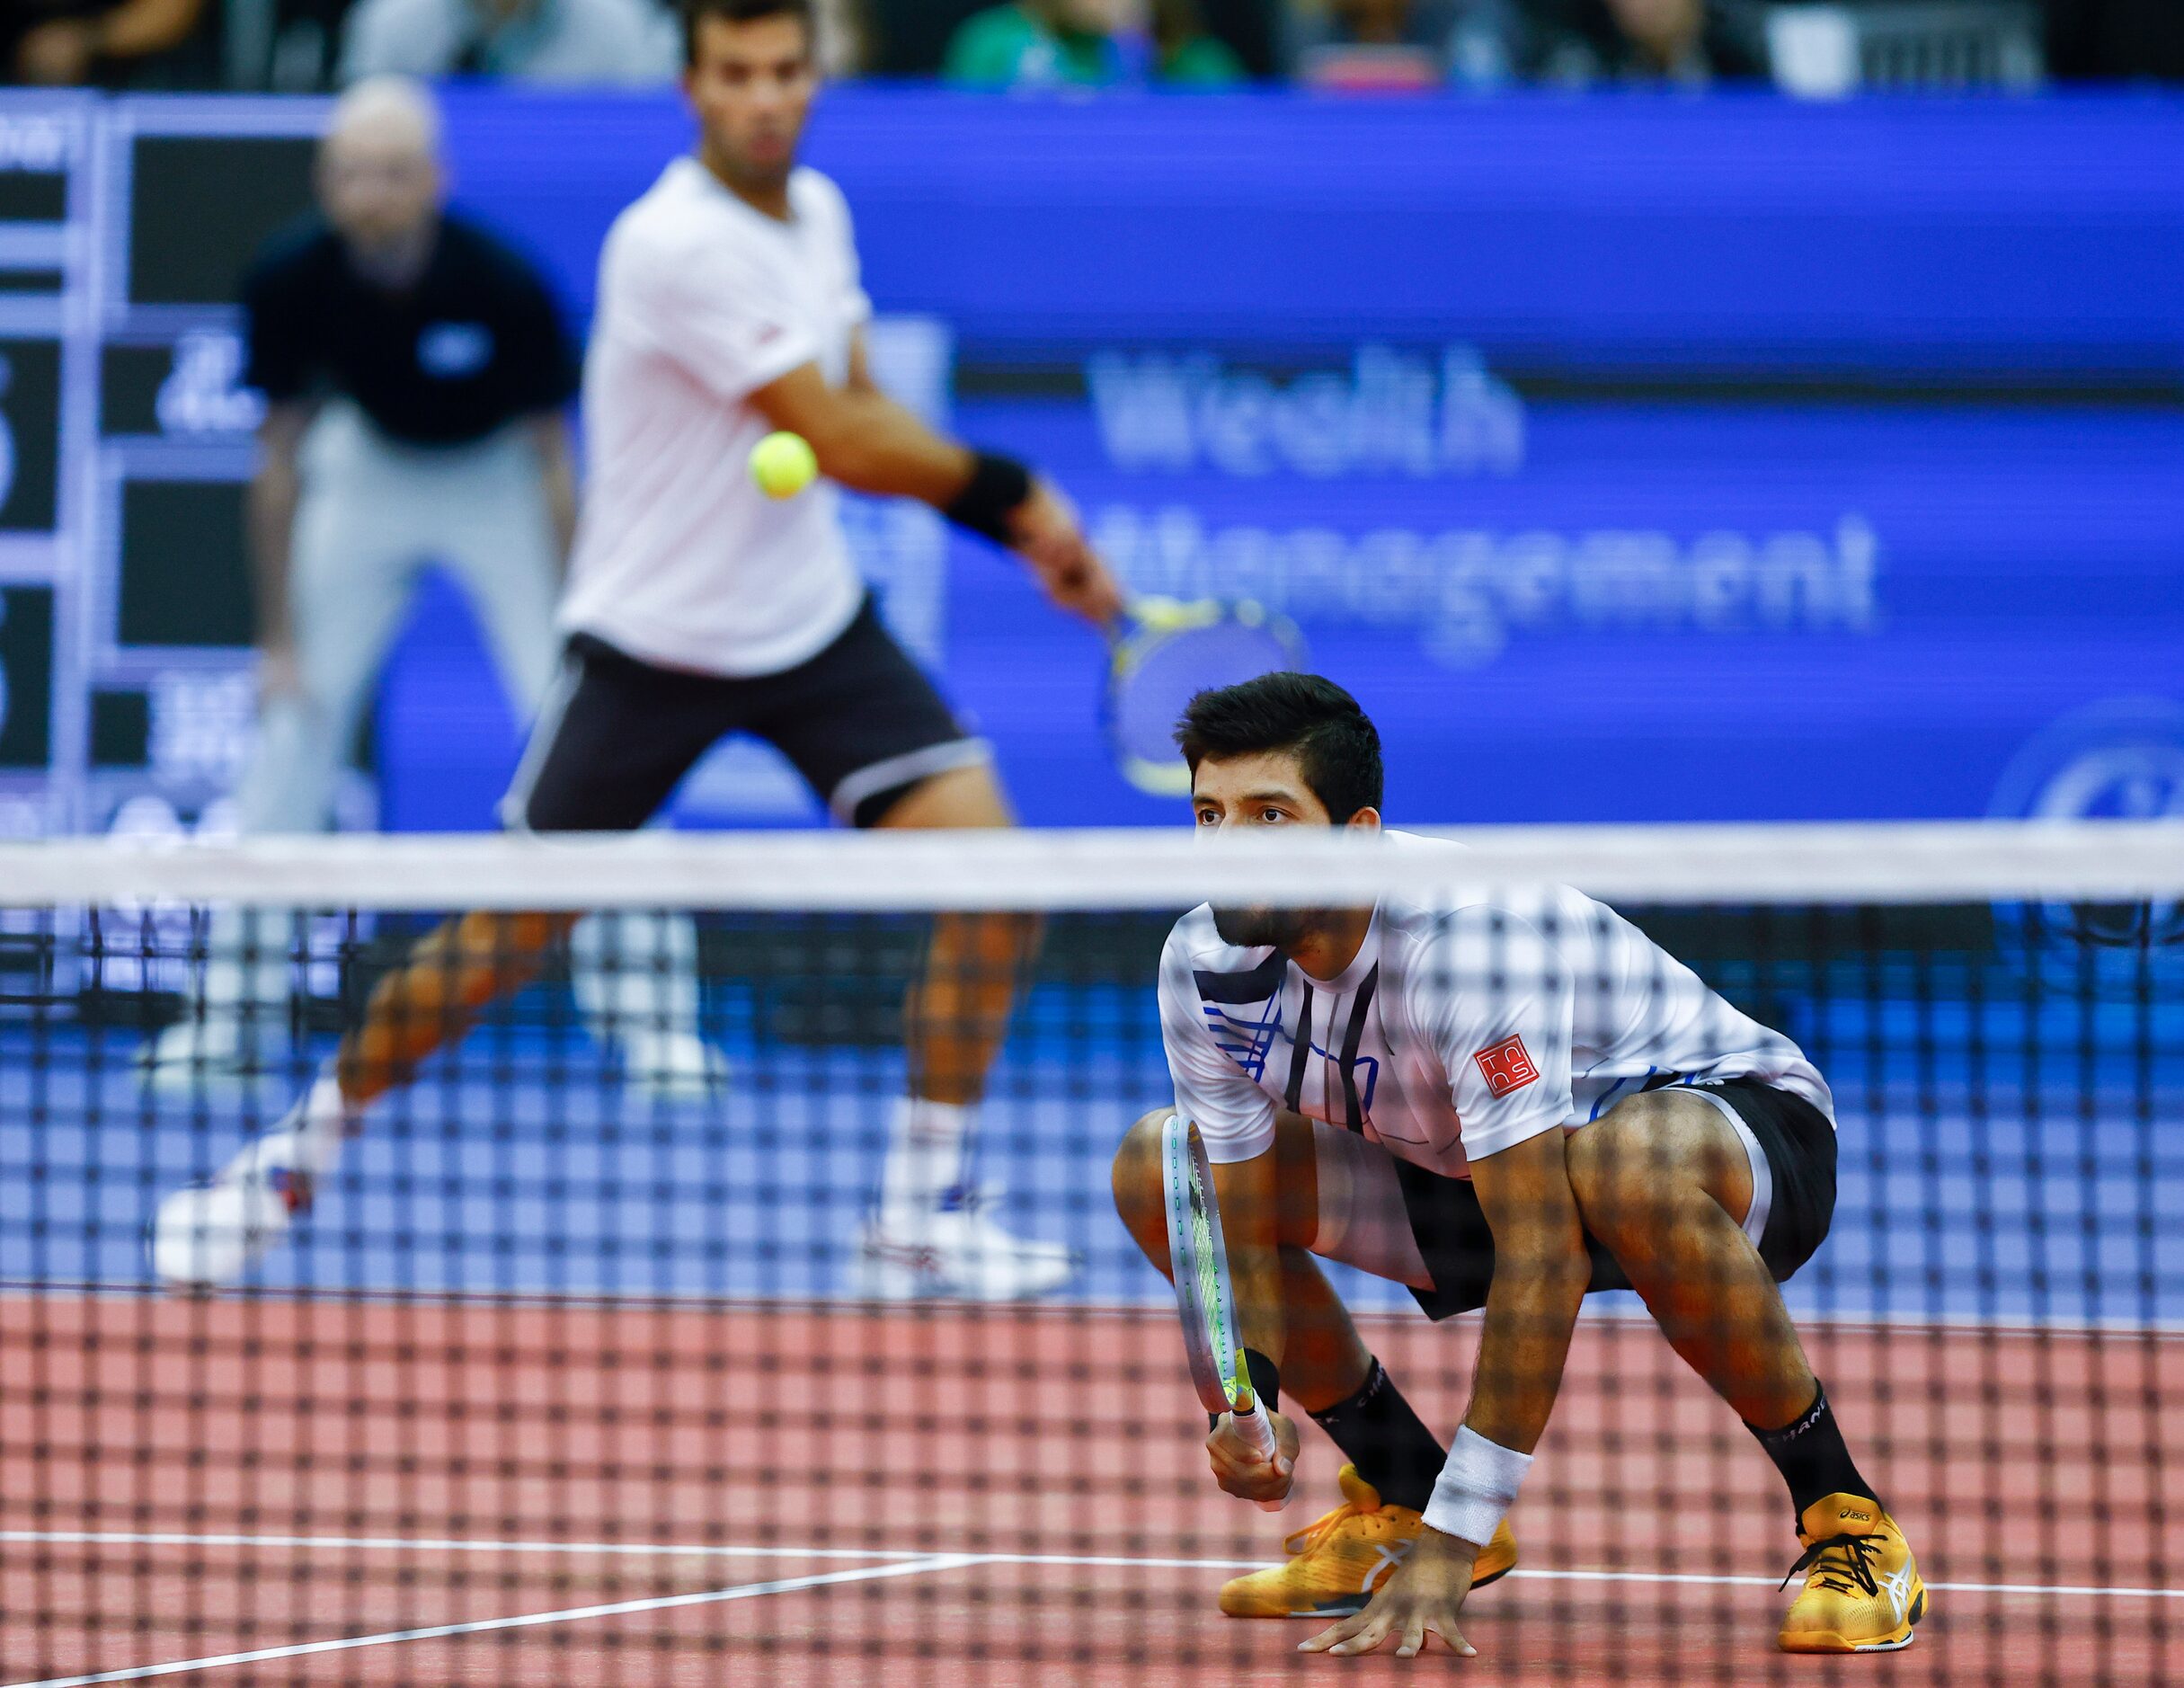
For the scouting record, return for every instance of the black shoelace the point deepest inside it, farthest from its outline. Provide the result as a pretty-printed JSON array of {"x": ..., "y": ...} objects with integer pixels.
[{"x": 1850, "y": 1573}]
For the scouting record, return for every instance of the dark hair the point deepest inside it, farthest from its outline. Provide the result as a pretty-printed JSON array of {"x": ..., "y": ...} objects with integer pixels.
[
  {"x": 694, "y": 11},
  {"x": 1335, "y": 744}
]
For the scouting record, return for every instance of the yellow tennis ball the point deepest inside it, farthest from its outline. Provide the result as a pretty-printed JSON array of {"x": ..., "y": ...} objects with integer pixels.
[{"x": 783, "y": 465}]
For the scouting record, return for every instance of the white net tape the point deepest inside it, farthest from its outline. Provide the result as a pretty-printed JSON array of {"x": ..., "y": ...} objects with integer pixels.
[{"x": 1114, "y": 869}]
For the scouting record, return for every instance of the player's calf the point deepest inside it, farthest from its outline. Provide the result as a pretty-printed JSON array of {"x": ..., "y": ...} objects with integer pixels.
[{"x": 1668, "y": 1183}]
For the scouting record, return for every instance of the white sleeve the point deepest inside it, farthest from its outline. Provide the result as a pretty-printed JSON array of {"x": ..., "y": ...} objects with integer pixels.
[
  {"x": 852, "y": 297},
  {"x": 1497, "y": 1002},
  {"x": 856, "y": 303},
  {"x": 727, "y": 317},
  {"x": 1234, "y": 1117}
]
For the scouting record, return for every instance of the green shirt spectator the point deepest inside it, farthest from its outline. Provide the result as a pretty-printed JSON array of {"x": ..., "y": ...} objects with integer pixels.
[
  {"x": 1034, "y": 44},
  {"x": 1072, "y": 44},
  {"x": 1190, "y": 57}
]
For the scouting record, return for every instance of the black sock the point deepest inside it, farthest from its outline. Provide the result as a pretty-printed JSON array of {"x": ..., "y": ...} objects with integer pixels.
[
  {"x": 1387, "y": 1443},
  {"x": 1809, "y": 1453}
]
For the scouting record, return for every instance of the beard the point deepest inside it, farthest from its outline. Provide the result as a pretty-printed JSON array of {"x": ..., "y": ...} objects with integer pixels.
[{"x": 1256, "y": 929}]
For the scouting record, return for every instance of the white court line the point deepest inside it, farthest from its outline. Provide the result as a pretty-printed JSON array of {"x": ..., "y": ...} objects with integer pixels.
[
  {"x": 1700, "y": 1578},
  {"x": 425, "y": 1544},
  {"x": 925, "y": 1561},
  {"x": 745, "y": 1591}
]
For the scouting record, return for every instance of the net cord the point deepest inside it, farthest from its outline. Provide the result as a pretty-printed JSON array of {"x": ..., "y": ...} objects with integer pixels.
[{"x": 1119, "y": 868}]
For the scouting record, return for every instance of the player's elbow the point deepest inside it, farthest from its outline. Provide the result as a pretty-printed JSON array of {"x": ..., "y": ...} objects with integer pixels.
[{"x": 847, "y": 455}]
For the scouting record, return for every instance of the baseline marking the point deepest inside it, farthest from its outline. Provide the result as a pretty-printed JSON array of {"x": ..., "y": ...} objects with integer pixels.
[
  {"x": 662, "y": 1603},
  {"x": 426, "y": 1544}
]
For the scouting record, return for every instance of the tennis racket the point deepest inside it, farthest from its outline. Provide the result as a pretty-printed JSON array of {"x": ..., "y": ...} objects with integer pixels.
[
  {"x": 1200, "y": 1260},
  {"x": 1162, "y": 653}
]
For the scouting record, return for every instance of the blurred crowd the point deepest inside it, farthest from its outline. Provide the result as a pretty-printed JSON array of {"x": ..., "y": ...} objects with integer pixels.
[{"x": 1029, "y": 46}]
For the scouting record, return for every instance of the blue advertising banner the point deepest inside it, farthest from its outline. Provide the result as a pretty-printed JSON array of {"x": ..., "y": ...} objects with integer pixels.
[
  {"x": 1618, "y": 611},
  {"x": 1630, "y": 459},
  {"x": 1745, "y": 233}
]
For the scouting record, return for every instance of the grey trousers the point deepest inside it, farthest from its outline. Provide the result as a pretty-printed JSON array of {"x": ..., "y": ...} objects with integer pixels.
[{"x": 374, "y": 514}]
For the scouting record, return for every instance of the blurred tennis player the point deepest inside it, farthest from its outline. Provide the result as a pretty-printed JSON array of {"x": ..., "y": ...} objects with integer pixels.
[
  {"x": 729, "y": 304},
  {"x": 415, "y": 371},
  {"x": 1500, "y": 1101}
]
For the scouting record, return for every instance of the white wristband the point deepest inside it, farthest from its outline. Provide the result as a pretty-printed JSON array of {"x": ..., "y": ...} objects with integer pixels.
[{"x": 1477, "y": 1488}]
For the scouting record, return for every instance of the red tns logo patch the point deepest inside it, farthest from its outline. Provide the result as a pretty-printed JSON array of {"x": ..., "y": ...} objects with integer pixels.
[{"x": 1506, "y": 1067}]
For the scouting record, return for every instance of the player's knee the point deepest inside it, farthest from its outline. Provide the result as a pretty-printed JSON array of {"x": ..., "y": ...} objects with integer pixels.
[
  {"x": 1618, "y": 1176},
  {"x": 1648, "y": 1176},
  {"x": 1136, "y": 1176}
]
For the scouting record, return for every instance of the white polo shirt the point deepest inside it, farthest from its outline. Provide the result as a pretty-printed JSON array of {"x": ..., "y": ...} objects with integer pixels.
[
  {"x": 679, "y": 559},
  {"x": 1466, "y": 1024}
]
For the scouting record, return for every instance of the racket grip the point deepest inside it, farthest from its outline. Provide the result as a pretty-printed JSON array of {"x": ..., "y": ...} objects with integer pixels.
[{"x": 1259, "y": 1431}]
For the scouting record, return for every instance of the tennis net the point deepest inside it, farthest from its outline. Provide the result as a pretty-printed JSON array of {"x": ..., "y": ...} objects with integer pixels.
[{"x": 644, "y": 1334}]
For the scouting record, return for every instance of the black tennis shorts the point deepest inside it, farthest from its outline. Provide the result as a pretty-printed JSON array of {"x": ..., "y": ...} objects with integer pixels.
[
  {"x": 1799, "y": 1143},
  {"x": 860, "y": 720}
]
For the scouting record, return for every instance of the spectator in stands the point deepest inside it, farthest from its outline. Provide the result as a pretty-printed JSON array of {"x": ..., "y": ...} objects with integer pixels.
[
  {"x": 1186, "y": 54},
  {"x": 566, "y": 42},
  {"x": 1371, "y": 43},
  {"x": 61, "y": 43},
  {"x": 1685, "y": 41},
  {"x": 1487, "y": 43},
  {"x": 1032, "y": 44},
  {"x": 1038, "y": 44},
  {"x": 1574, "y": 43}
]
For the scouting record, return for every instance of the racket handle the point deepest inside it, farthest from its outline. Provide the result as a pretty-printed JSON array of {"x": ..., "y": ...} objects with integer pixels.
[{"x": 1259, "y": 1431}]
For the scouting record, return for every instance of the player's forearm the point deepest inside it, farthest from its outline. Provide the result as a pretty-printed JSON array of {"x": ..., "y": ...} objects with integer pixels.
[
  {"x": 1262, "y": 1322},
  {"x": 274, "y": 492},
  {"x": 1531, "y": 1312},
  {"x": 1246, "y": 1192},
  {"x": 873, "y": 444},
  {"x": 557, "y": 481}
]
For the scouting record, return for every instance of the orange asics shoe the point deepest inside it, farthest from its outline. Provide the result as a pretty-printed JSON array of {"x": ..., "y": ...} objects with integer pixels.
[
  {"x": 1862, "y": 1592},
  {"x": 1336, "y": 1562}
]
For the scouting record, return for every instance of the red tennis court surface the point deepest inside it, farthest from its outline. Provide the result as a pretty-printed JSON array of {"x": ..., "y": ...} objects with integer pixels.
[{"x": 374, "y": 1492}]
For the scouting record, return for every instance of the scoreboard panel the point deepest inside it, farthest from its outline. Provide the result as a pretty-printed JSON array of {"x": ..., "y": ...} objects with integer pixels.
[
  {"x": 125, "y": 445},
  {"x": 48, "y": 357}
]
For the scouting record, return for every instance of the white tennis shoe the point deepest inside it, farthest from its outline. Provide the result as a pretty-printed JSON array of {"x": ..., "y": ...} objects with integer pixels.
[
  {"x": 953, "y": 1249},
  {"x": 671, "y": 1066},
  {"x": 207, "y": 1236},
  {"x": 199, "y": 1052}
]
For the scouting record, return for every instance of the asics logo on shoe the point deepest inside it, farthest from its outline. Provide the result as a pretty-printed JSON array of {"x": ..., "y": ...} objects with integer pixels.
[
  {"x": 1851, "y": 1513},
  {"x": 1391, "y": 1555},
  {"x": 1896, "y": 1586}
]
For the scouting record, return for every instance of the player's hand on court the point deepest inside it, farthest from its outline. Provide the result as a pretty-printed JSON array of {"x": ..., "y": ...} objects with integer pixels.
[
  {"x": 1045, "y": 535},
  {"x": 1241, "y": 1470},
  {"x": 1422, "y": 1596}
]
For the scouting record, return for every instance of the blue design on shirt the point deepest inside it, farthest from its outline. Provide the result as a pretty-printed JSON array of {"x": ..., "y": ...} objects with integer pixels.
[{"x": 1245, "y": 1041}]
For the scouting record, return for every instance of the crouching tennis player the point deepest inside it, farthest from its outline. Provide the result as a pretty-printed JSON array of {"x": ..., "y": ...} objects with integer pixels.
[{"x": 1500, "y": 1101}]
